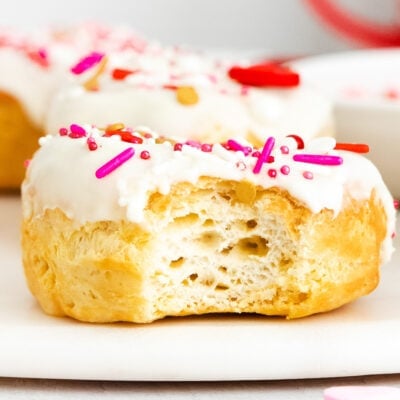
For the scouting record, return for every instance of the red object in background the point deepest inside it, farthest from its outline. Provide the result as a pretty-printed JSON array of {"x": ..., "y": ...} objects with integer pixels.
[{"x": 359, "y": 29}]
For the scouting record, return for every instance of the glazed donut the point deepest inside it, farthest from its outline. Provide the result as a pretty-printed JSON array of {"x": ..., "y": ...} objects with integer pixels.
[
  {"x": 32, "y": 67},
  {"x": 125, "y": 225}
]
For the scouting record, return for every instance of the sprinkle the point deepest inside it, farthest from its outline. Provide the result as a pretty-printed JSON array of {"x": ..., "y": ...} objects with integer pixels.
[
  {"x": 115, "y": 162},
  {"x": 268, "y": 74},
  {"x": 284, "y": 149},
  {"x": 77, "y": 131},
  {"x": 206, "y": 147},
  {"x": 285, "y": 169},
  {"x": 256, "y": 154},
  {"x": 127, "y": 136},
  {"x": 119, "y": 74},
  {"x": 308, "y": 175},
  {"x": 87, "y": 62},
  {"x": 299, "y": 141},
  {"x": 193, "y": 143},
  {"x": 118, "y": 126},
  {"x": 145, "y": 155},
  {"x": 396, "y": 204},
  {"x": 318, "y": 159},
  {"x": 236, "y": 146},
  {"x": 392, "y": 94},
  {"x": 63, "y": 131},
  {"x": 393, "y": 235},
  {"x": 92, "y": 145},
  {"x": 265, "y": 153},
  {"x": 26, "y": 163},
  {"x": 187, "y": 95},
  {"x": 178, "y": 146},
  {"x": 40, "y": 57},
  {"x": 93, "y": 82},
  {"x": 272, "y": 173},
  {"x": 355, "y": 147},
  {"x": 170, "y": 87}
]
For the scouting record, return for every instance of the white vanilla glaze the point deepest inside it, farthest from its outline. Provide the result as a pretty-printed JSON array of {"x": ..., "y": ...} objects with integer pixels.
[
  {"x": 225, "y": 108},
  {"x": 62, "y": 175}
]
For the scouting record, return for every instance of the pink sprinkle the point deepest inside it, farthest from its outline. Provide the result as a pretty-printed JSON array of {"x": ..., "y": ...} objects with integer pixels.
[
  {"x": 144, "y": 155},
  {"x": 272, "y": 173},
  {"x": 396, "y": 204},
  {"x": 284, "y": 149},
  {"x": 115, "y": 162},
  {"x": 244, "y": 90},
  {"x": 178, "y": 146},
  {"x": 212, "y": 78},
  {"x": 87, "y": 62},
  {"x": 318, "y": 159},
  {"x": 393, "y": 235},
  {"x": 265, "y": 153},
  {"x": 206, "y": 147},
  {"x": 63, "y": 131},
  {"x": 26, "y": 163},
  {"x": 285, "y": 169},
  {"x": 236, "y": 146},
  {"x": 392, "y": 94},
  {"x": 77, "y": 131},
  {"x": 193, "y": 143},
  {"x": 308, "y": 175}
]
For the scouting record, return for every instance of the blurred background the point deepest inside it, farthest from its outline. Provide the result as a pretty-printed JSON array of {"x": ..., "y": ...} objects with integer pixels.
[{"x": 284, "y": 27}]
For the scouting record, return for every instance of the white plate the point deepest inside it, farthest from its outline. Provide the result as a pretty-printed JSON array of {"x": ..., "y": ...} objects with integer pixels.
[{"x": 358, "y": 339}]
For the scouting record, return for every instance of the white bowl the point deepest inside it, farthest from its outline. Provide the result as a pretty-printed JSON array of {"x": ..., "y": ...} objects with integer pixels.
[{"x": 365, "y": 88}]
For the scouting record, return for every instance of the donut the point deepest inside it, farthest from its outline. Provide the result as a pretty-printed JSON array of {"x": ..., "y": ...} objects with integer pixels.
[
  {"x": 127, "y": 225},
  {"x": 180, "y": 92},
  {"x": 33, "y": 66}
]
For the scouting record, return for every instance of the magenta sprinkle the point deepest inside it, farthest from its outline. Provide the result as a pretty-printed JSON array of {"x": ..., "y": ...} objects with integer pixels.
[
  {"x": 308, "y": 175},
  {"x": 63, "y": 131},
  {"x": 87, "y": 62},
  {"x": 265, "y": 153},
  {"x": 285, "y": 169},
  {"x": 236, "y": 146},
  {"x": 115, "y": 162},
  {"x": 318, "y": 159},
  {"x": 193, "y": 143},
  {"x": 77, "y": 131},
  {"x": 272, "y": 173}
]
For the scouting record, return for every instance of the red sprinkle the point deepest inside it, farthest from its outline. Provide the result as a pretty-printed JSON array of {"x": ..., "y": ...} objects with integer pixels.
[
  {"x": 272, "y": 173},
  {"x": 92, "y": 145},
  {"x": 63, "y": 131},
  {"x": 26, "y": 163},
  {"x": 178, "y": 146},
  {"x": 206, "y": 147},
  {"x": 120, "y": 74},
  {"x": 170, "y": 87},
  {"x": 299, "y": 141},
  {"x": 396, "y": 204},
  {"x": 265, "y": 75},
  {"x": 355, "y": 147},
  {"x": 145, "y": 155}
]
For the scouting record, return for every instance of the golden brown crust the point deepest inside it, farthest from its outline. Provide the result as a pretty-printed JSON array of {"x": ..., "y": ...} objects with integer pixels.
[
  {"x": 219, "y": 246},
  {"x": 18, "y": 140}
]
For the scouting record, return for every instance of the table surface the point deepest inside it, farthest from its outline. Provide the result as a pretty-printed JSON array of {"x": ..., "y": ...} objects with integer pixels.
[{"x": 41, "y": 389}]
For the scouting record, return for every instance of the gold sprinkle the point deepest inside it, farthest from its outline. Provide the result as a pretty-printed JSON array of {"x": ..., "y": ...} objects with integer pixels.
[
  {"x": 93, "y": 82},
  {"x": 187, "y": 95},
  {"x": 118, "y": 126}
]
